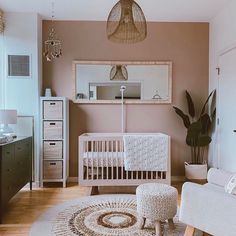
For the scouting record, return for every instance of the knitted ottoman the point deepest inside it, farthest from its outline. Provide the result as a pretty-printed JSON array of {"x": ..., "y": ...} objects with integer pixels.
[{"x": 157, "y": 202}]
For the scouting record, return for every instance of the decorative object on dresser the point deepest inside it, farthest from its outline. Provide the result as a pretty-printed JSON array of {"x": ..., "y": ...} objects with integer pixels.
[
  {"x": 199, "y": 129},
  {"x": 54, "y": 139},
  {"x": 7, "y": 117},
  {"x": 102, "y": 161},
  {"x": 15, "y": 168},
  {"x": 126, "y": 23},
  {"x": 48, "y": 92}
]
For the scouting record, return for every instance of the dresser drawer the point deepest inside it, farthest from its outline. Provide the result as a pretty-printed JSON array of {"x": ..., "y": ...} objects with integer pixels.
[
  {"x": 53, "y": 130},
  {"x": 52, "y": 170},
  {"x": 22, "y": 150},
  {"x": 52, "y": 110},
  {"x": 8, "y": 155},
  {"x": 52, "y": 150}
]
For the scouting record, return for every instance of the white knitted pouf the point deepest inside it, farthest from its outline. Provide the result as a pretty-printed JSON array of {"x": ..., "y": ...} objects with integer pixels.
[{"x": 157, "y": 202}]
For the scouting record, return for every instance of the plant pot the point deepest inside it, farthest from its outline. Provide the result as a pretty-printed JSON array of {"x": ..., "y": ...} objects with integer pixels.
[{"x": 196, "y": 173}]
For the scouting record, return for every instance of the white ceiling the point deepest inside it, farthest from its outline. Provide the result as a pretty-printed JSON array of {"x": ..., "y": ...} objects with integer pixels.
[{"x": 98, "y": 10}]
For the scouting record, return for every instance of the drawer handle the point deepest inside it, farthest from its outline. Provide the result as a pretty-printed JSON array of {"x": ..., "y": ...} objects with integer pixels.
[
  {"x": 52, "y": 164},
  {"x": 52, "y": 103},
  {"x": 19, "y": 148},
  {"x": 52, "y": 144},
  {"x": 52, "y": 123},
  {"x": 8, "y": 153}
]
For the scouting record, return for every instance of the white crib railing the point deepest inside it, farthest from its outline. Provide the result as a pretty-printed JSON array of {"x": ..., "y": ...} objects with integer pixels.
[{"x": 101, "y": 163}]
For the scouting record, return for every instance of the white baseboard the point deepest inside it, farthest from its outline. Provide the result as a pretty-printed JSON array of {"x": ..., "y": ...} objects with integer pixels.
[
  {"x": 178, "y": 178},
  {"x": 173, "y": 179},
  {"x": 72, "y": 179}
]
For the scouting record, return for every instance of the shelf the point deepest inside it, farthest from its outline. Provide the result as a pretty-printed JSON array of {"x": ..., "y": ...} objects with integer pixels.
[
  {"x": 56, "y": 159},
  {"x": 51, "y": 140},
  {"x": 58, "y": 134},
  {"x": 52, "y": 119}
]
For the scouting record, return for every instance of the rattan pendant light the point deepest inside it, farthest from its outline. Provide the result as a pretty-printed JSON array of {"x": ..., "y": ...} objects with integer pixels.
[
  {"x": 126, "y": 23},
  {"x": 1, "y": 22}
]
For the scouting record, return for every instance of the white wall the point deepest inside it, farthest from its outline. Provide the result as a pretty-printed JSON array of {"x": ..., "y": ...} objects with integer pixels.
[
  {"x": 222, "y": 37},
  {"x": 2, "y": 95},
  {"x": 23, "y": 35}
]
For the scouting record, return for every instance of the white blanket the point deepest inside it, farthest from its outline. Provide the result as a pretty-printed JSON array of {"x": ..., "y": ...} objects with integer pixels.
[{"x": 146, "y": 152}]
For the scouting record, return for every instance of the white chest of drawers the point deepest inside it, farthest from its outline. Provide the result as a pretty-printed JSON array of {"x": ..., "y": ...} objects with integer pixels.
[{"x": 54, "y": 118}]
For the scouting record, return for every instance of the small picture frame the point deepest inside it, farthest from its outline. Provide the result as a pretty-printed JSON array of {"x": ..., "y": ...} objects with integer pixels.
[{"x": 18, "y": 66}]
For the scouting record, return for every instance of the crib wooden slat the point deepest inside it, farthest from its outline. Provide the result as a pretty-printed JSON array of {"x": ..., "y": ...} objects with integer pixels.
[
  {"x": 122, "y": 163},
  {"x": 107, "y": 158},
  {"x": 102, "y": 150},
  {"x": 97, "y": 150},
  {"x": 87, "y": 160},
  {"x": 92, "y": 158},
  {"x": 112, "y": 158}
]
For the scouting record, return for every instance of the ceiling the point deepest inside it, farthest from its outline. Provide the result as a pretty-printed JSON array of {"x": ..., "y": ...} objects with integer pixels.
[{"x": 98, "y": 10}]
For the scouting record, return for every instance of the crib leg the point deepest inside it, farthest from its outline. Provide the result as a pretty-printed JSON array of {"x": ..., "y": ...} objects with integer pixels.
[{"x": 94, "y": 190}]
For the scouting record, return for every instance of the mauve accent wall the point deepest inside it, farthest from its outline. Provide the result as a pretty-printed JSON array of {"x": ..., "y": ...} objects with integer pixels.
[{"x": 185, "y": 44}]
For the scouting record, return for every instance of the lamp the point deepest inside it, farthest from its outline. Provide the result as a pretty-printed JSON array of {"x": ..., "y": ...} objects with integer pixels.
[
  {"x": 2, "y": 26},
  {"x": 118, "y": 72},
  {"x": 7, "y": 117},
  {"x": 126, "y": 23}
]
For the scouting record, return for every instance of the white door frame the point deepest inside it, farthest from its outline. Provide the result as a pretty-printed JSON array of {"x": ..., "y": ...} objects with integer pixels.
[{"x": 220, "y": 53}]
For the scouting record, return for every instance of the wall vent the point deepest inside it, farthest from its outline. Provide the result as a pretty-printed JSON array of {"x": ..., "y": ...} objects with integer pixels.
[{"x": 19, "y": 65}]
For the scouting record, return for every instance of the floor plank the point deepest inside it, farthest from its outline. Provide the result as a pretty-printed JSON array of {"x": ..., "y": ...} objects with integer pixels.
[{"x": 27, "y": 206}]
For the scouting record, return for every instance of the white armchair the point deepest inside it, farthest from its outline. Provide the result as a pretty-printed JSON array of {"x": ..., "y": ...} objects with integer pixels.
[{"x": 208, "y": 207}]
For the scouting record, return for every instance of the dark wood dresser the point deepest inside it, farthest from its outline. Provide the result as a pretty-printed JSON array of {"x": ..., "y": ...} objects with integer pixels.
[{"x": 15, "y": 169}]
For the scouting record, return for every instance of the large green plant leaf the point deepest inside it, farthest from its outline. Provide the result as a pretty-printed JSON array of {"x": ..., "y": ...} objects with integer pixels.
[
  {"x": 184, "y": 117},
  {"x": 191, "y": 108},
  {"x": 206, "y": 123},
  {"x": 204, "y": 140},
  {"x": 194, "y": 131},
  {"x": 195, "y": 128},
  {"x": 205, "y": 104}
]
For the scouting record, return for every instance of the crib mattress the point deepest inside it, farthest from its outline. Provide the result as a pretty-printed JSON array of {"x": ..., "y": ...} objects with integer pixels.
[{"x": 101, "y": 159}]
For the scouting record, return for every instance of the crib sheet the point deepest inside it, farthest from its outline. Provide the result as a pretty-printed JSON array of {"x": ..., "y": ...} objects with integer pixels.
[{"x": 101, "y": 159}]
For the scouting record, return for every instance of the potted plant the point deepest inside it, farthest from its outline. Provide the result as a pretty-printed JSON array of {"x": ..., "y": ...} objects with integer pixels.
[{"x": 198, "y": 137}]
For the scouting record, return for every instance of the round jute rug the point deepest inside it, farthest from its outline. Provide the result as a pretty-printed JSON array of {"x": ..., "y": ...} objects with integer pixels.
[{"x": 102, "y": 215}]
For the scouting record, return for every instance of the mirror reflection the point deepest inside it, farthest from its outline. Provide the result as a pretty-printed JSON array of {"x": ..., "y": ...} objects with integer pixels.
[{"x": 149, "y": 81}]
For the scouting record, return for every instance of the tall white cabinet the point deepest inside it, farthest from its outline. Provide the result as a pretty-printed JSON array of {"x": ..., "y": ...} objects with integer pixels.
[{"x": 54, "y": 119}]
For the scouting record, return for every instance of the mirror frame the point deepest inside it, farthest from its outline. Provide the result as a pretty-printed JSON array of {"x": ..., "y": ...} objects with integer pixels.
[{"x": 126, "y": 101}]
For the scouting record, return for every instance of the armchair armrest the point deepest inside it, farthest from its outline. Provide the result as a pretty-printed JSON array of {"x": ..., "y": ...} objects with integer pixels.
[
  {"x": 210, "y": 210},
  {"x": 218, "y": 177}
]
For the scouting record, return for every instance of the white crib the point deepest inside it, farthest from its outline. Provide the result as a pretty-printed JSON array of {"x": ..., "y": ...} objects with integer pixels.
[{"x": 101, "y": 162}]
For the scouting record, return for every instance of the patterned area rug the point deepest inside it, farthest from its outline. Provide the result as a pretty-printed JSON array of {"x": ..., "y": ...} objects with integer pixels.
[{"x": 103, "y": 215}]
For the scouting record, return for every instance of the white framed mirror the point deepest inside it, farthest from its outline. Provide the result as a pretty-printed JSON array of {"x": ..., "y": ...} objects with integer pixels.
[{"x": 100, "y": 81}]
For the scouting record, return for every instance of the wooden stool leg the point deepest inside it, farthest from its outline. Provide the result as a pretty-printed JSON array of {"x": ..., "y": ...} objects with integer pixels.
[
  {"x": 144, "y": 221},
  {"x": 189, "y": 231},
  {"x": 158, "y": 228},
  {"x": 171, "y": 224}
]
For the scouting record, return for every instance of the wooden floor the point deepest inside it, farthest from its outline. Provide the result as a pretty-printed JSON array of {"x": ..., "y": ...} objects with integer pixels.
[{"x": 27, "y": 206}]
